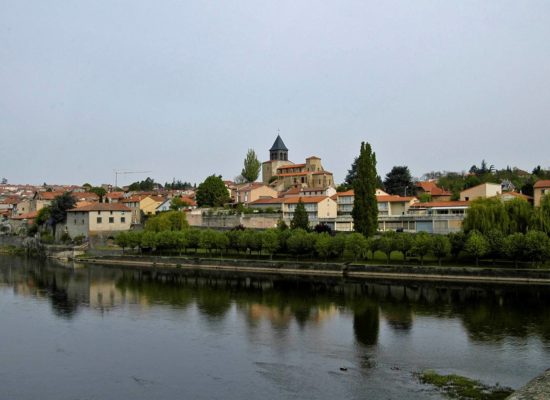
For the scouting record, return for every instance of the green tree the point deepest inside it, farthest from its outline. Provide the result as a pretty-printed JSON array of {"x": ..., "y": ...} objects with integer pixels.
[
  {"x": 540, "y": 219},
  {"x": 495, "y": 240},
  {"x": 122, "y": 240},
  {"x": 59, "y": 207},
  {"x": 514, "y": 247},
  {"x": 441, "y": 247},
  {"x": 399, "y": 182},
  {"x": 404, "y": 243},
  {"x": 167, "y": 221},
  {"x": 356, "y": 246},
  {"x": 476, "y": 245},
  {"x": 193, "y": 238},
  {"x": 148, "y": 240},
  {"x": 212, "y": 192},
  {"x": 365, "y": 206},
  {"x": 386, "y": 243},
  {"x": 422, "y": 245},
  {"x": 148, "y": 184},
  {"x": 300, "y": 220},
  {"x": 537, "y": 246},
  {"x": 338, "y": 245},
  {"x": 270, "y": 242},
  {"x": 177, "y": 204},
  {"x": 323, "y": 245},
  {"x": 251, "y": 169},
  {"x": 101, "y": 192},
  {"x": 297, "y": 242},
  {"x": 457, "y": 239},
  {"x": 486, "y": 214},
  {"x": 134, "y": 239},
  {"x": 520, "y": 214}
]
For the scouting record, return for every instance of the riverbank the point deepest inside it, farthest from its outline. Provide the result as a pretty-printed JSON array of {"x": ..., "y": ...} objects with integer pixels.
[{"x": 349, "y": 270}]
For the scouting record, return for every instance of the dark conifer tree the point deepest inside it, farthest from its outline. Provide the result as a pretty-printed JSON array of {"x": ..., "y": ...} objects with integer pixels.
[{"x": 365, "y": 206}]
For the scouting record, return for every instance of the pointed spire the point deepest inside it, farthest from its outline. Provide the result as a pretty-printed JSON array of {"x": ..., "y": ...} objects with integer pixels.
[{"x": 278, "y": 145}]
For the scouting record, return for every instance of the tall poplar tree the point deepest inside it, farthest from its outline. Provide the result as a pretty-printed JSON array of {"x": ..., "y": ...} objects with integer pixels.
[
  {"x": 300, "y": 219},
  {"x": 365, "y": 206},
  {"x": 251, "y": 169}
]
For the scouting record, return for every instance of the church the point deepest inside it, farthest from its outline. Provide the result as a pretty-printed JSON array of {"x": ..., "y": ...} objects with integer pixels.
[{"x": 282, "y": 174}]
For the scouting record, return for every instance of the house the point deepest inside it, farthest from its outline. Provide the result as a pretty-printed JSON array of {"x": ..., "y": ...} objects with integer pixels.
[
  {"x": 507, "y": 196},
  {"x": 483, "y": 191},
  {"x": 165, "y": 205},
  {"x": 541, "y": 188},
  {"x": 439, "y": 217},
  {"x": 435, "y": 192},
  {"x": 43, "y": 199},
  {"x": 318, "y": 208},
  {"x": 394, "y": 205},
  {"x": 276, "y": 204},
  {"x": 328, "y": 191},
  {"x": 98, "y": 218},
  {"x": 146, "y": 204},
  {"x": 114, "y": 197},
  {"x": 250, "y": 192}
]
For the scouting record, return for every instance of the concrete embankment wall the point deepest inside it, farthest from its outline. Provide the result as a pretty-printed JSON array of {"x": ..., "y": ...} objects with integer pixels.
[{"x": 393, "y": 272}]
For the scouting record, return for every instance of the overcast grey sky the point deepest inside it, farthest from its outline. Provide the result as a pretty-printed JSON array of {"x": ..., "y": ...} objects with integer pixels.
[{"x": 184, "y": 88}]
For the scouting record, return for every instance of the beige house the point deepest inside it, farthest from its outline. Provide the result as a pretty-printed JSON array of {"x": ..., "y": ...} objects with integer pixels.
[
  {"x": 250, "y": 192},
  {"x": 394, "y": 205},
  {"x": 541, "y": 188},
  {"x": 482, "y": 191},
  {"x": 43, "y": 199},
  {"x": 317, "y": 207},
  {"x": 98, "y": 218}
]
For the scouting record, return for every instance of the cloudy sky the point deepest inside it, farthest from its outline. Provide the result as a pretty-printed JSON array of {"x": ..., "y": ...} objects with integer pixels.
[{"x": 184, "y": 88}]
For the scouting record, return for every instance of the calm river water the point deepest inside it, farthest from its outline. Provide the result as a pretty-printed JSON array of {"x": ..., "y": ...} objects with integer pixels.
[{"x": 113, "y": 333}]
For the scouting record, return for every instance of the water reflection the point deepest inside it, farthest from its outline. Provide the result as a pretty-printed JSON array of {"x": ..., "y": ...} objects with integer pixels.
[{"x": 488, "y": 313}]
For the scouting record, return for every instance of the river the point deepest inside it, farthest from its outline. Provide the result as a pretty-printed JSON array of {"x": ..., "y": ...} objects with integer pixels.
[{"x": 94, "y": 332}]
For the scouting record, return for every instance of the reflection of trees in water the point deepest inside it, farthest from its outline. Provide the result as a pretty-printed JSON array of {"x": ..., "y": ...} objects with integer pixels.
[
  {"x": 498, "y": 314},
  {"x": 366, "y": 321},
  {"x": 487, "y": 312}
]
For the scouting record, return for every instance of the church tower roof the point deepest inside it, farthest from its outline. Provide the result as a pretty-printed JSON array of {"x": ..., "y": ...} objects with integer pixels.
[{"x": 278, "y": 145}]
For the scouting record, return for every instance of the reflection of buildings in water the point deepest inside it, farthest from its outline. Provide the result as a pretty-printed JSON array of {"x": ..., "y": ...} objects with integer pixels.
[{"x": 282, "y": 316}]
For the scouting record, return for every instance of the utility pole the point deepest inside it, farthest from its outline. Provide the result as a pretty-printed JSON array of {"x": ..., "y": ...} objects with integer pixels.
[{"x": 117, "y": 173}]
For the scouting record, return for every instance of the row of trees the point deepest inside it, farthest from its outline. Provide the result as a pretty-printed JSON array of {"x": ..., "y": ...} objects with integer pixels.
[
  {"x": 515, "y": 216},
  {"x": 533, "y": 246}
]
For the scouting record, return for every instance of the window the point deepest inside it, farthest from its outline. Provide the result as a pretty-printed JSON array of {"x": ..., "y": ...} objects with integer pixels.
[
  {"x": 122, "y": 219},
  {"x": 111, "y": 220},
  {"x": 99, "y": 213},
  {"x": 98, "y": 220},
  {"x": 111, "y": 212},
  {"x": 82, "y": 222}
]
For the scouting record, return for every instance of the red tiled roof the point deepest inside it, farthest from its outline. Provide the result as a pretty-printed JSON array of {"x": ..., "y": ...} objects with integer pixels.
[
  {"x": 518, "y": 195},
  {"x": 542, "y": 184},
  {"x": 432, "y": 188},
  {"x": 114, "y": 195},
  {"x": 294, "y": 174},
  {"x": 346, "y": 193},
  {"x": 292, "y": 166},
  {"x": 305, "y": 199},
  {"x": 31, "y": 215},
  {"x": 48, "y": 195},
  {"x": 441, "y": 204},
  {"x": 134, "y": 199},
  {"x": 101, "y": 207},
  {"x": 393, "y": 199},
  {"x": 277, "y": 200}
]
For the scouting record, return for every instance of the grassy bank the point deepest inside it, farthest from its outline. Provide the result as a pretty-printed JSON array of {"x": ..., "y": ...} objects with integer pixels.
[{"x": 460, "y": 387}]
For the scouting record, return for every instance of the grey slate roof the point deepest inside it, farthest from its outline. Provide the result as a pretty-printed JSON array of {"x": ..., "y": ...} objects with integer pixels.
[{"x": 278, "y": 145}]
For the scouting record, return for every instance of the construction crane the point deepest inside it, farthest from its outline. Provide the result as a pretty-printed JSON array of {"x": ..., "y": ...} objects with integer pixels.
[{"x": 117, "y": 173}]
